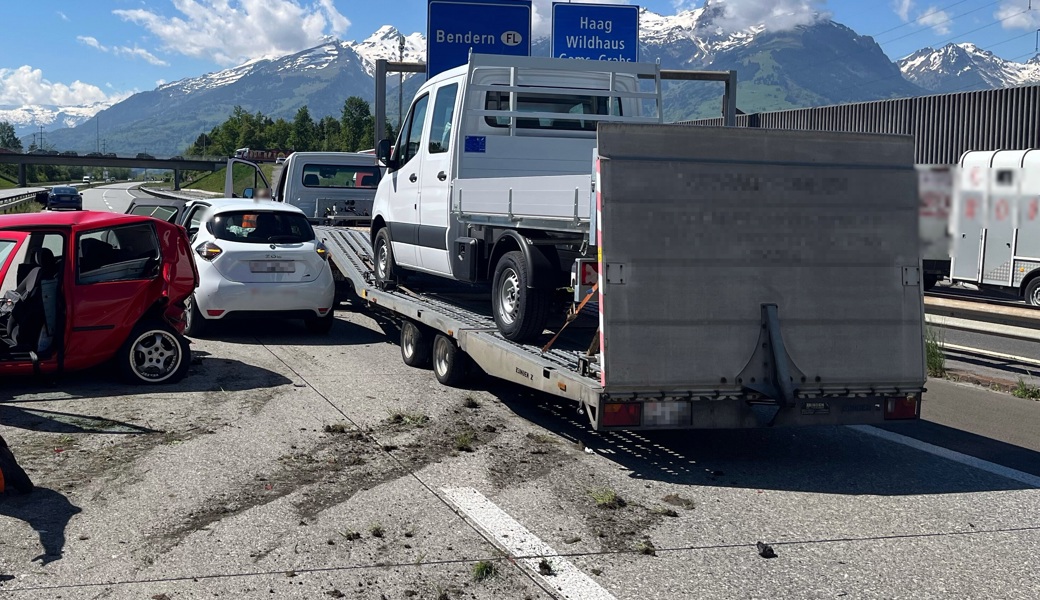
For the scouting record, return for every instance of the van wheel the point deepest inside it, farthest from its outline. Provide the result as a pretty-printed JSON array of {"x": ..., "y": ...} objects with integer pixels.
[
  {"x": 194, "y": 322},
  {"x": 520, "y": 311},
  {"x": 1033, "y": 292},
  {"x": 386, "y": 268},
  {"x": 154, "y": 353},
  {"x": 450, "y": 363},
  {"x": 415, "y": 346}
]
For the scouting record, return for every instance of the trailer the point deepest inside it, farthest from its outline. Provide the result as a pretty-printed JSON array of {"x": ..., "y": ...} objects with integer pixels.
[{"x": 737, "y": 279}]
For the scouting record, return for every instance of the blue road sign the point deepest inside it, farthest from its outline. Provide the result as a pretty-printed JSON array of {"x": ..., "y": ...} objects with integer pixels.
[
  {"x": 486, "y": 27},
  {"x": 595, "y": 31}
]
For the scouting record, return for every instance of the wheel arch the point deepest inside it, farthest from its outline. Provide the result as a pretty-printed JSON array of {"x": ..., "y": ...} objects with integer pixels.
[
  {"x": 542, "y": 261},
  {"x": 1027, "y": 281}
]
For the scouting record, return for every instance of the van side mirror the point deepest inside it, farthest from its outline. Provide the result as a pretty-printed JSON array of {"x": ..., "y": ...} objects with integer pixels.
[{"x": 383, "y": 151}]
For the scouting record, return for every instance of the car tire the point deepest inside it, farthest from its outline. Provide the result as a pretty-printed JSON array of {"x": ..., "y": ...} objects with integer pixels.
[
  {"x": 154, "y": 353},
  {"x": 194, "y": 323},
  {"x": 386, "y": 269},
  {"x": 450, "y": 363},
  {"x": 520, "y": 312},
  {"x": 415, "y": 345},
  {"x": 1032, "y": 295},
  {"x": 320, "y": 325}
]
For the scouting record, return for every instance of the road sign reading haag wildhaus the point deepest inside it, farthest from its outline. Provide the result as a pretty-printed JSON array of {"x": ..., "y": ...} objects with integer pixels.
[
  {"x": 595, "y": 31},
  {"x": 455, "y": 27}
]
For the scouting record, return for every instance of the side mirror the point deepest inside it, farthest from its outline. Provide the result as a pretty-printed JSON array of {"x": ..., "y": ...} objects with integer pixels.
[
  {"x": 247, "y": 193},
  {"x": 383, "y": 151}
]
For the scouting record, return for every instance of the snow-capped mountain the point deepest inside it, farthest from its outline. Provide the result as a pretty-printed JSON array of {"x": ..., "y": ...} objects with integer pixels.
[
  {"x": 961, "y": 67},
  {"x": 27, "y": 119},
  {"x": 819, "y": 63}
]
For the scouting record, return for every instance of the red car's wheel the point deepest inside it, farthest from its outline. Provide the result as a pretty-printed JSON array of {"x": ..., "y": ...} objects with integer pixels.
[{"x": 154, "y": 353}]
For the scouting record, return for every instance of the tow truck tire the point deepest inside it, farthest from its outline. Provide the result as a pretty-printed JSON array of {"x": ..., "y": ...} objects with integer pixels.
[
  {"x": 1032, "y": 294},
  {"x": 520, "y": 312},
  {"x": 195, "y": 323},
  {"x": 450, "y": 363},
  {"x": 415, "y": 346},
  {"x": 386, "y": 268},
  {"x": 154, "y": 353}
]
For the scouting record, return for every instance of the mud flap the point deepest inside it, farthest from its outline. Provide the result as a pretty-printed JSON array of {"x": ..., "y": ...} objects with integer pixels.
[{"x": 770, "y": 372}]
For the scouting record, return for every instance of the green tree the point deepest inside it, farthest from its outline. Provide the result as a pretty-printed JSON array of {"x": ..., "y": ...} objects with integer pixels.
[
  {"x": 358, "y": 124},
  {"x": 304, "y": 131},
  {"x": 276, "y": 135},
  {"x": 329, "y": 135},
  {"x": 8, "y": 138}
]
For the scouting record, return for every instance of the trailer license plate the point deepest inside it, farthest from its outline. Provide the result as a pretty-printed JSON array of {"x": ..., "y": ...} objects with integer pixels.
[{"x": 271, "y": 266}]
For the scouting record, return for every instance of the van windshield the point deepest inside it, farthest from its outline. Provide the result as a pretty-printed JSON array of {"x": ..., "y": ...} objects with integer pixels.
[{"x": 340, "y": 176}]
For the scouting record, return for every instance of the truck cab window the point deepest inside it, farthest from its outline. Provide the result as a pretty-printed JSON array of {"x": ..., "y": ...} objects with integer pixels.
[
  {"x": 413, "y": 131},
  {"x": 443, "y": 109}
]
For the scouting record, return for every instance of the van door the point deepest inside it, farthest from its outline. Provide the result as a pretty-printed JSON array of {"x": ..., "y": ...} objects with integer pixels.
[
  {"x": 404, "y": 186},
  {"x": 435, "y": 182}
]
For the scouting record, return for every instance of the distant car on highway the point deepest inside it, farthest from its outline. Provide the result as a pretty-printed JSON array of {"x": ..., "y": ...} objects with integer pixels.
[
  {"x": 69, "y": 153},
  {"x": 94, "y": 154},
  {"x": 88, "y": 287},
  {"x": 64, "y": 197},
  {"x": 178, "y": 157},
  {"x": 111, "y": 155},
  {"x": 257, "y": 258},
  {"x": 144, "y": 156}
]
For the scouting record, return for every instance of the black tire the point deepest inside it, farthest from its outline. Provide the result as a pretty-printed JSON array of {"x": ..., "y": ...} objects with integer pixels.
[
  {"x": 194, "y": 323},
  {"x": 154, "y": 353},
  {"x": 450, "y": 363},
  {"x": 321, "y": 325},
  {"x": 1032, "y": 295},
  {"x": 520, "y": 312},
  {"x": 386, "y": 269},
  {"x": 415, "y": 345},
  {"x": 930, "y": 281}
]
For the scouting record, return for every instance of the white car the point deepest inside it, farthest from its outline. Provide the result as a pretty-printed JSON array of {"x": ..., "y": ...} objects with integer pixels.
[{"x": 257, "y": 258}]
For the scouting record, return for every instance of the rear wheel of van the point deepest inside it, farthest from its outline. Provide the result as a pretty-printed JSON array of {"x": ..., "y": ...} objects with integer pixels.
[
  {"x": 520, "y": 311},
  {"x": 386, "y": 268}
]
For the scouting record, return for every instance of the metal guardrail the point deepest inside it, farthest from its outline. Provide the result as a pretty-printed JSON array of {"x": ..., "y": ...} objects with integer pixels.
[
  {"x": 9, "y": 202},
  {"x": 1015, "y": 322}
]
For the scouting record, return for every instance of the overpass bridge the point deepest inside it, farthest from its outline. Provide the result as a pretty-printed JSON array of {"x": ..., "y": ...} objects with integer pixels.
[{"x": 174, "y": 164}]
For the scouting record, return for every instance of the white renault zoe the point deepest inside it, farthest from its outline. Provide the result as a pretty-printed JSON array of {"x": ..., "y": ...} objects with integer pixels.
[{"x": 258, "y": 258}]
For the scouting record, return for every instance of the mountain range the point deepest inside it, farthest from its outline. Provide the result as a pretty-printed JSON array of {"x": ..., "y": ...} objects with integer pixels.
[{"x": 811, "y": 65}]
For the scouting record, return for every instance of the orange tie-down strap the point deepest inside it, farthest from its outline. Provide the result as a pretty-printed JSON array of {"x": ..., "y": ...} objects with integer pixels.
[{"x": 572, "y": 316}]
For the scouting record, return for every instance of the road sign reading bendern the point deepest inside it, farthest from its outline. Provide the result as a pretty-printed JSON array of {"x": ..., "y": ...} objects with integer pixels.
[
  {"x": 455, "y": 27},
  {"x": 595, "y": 31}
]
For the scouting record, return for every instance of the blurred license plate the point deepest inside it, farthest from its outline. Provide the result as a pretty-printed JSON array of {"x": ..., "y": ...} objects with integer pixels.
[{"x": 271, "y": 266}]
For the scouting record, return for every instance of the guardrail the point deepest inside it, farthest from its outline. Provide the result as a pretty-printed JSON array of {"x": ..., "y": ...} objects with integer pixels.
[
  {"x": 1003, "y": 321},
  {"x": 9, "y": 202}
]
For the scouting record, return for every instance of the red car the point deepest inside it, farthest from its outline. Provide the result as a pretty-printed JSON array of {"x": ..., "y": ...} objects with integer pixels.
[{"x": 78, "y": 289}]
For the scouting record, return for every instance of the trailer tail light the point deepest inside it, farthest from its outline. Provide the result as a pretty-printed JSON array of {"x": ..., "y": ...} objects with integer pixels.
[
  {"x": 621, "y": 414},
  {"x": 901, "y": 407}
]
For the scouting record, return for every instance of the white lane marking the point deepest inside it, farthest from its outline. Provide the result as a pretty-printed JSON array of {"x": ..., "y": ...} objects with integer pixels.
[
  {"x": 515, "y": 539},
  {"x": 104, "y": 196},
  {"x": 964, "y": 459},
  {"x": 994, "y": 355}
]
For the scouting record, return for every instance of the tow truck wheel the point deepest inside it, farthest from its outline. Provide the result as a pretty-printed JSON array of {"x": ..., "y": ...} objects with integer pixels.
[
  {"x": 450, "y": 364},
  {"x": 520, "y": 311},
  {"x": 386, "y": 268},
  {"x": 154, "y": 353},
  {"x": 415, "y": 346},
  {"x": 1033, "y": 292}
]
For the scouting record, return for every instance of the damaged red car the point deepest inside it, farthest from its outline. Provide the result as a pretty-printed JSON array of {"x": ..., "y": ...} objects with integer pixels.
[{"x": 82, "y": 288}]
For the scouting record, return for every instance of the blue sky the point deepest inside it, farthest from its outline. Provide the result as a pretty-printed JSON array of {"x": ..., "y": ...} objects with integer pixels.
[{"x": 69, "y": 52}]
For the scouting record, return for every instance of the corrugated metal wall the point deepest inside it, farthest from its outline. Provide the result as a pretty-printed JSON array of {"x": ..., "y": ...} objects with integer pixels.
[{"x": 943, "y": 126}]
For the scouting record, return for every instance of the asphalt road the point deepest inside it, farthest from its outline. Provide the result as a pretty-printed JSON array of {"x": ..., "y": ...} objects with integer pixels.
[
  {"x": 114, "y": 197},
  {"x": 290, "y": 465}
]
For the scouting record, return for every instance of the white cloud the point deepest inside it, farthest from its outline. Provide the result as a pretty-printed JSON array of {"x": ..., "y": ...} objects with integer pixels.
[
  {"x": 134, "y": 52},
  {"x": 776, "y": 15},
  {"x": 160, "y": 82},
  {"x": 229, "y": 32},
  {"x": 938, "y": 20},
  {"x": 62, "y": 16},
  {"x": 1012, "y": 15},
  {"x": 26, "y": 85},
  {"x": 902, "y": 8},
  {"x": 541, "y": 17}
]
